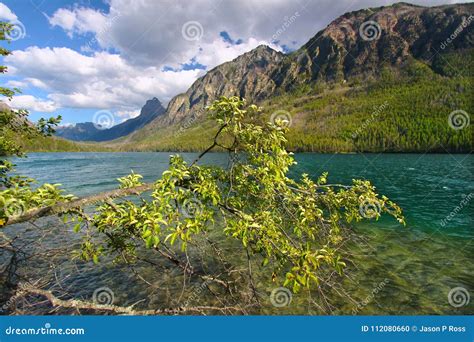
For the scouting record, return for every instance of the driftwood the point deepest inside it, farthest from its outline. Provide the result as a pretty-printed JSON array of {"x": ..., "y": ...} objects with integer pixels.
[{"x": 120, "y": 310}]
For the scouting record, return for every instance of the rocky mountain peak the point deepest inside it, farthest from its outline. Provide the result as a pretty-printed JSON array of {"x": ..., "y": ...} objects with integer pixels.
[
  {"x": 364, "y": 42},
  {"x": 357, "y": 43},
  {"x": 88, "y": 131},
  {"x": 152, "y": 107},
  {"x": 246, "y": 76}
]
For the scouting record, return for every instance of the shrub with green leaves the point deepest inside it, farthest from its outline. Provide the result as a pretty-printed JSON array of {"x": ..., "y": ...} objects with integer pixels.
[{"x": 295, "y": 226}]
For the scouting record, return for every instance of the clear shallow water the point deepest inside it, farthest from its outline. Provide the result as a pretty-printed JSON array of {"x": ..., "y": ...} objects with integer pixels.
[{"x": 413, "y": 268}]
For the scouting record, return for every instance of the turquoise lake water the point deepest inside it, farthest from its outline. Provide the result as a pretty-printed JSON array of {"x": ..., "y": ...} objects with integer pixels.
[{"x": 413, "y": 267}]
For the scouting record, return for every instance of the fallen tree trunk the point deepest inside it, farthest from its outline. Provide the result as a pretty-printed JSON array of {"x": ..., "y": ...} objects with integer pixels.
[{"x": 120, "y": 310}]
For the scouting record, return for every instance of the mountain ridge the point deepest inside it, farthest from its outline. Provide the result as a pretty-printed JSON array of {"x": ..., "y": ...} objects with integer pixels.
[
  {"x": 335, "y": 53},
  {"x": 359, "y": 49},
  {"x": 89, "y": 131},
  {"x": 412, "y": 45}
]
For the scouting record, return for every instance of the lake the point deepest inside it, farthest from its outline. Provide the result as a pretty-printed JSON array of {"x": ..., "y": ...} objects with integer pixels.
[{"x": 397, "y": 270}]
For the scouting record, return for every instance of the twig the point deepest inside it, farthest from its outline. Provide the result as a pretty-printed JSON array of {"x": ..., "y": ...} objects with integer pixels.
[{"x": 214, "y": 144}]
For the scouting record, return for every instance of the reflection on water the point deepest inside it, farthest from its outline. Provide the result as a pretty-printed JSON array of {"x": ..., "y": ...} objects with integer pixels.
[{"x": 393, "y": 270}]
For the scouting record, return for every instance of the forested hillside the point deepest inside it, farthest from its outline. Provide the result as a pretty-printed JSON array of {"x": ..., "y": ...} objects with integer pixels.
[
  {"x": 405, "y": 110},
  {"x": 400, "y": 85}
]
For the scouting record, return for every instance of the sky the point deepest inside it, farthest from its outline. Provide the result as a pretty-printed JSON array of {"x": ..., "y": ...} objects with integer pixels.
[{"x": 76, "y": 58}]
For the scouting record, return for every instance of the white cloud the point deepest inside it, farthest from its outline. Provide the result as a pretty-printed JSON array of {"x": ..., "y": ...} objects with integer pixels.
[
  {"x": 27, "y": 82},
  {"x": 146, "y": 36},
  {"x": 78, "y": 20},
  {"x": 218, "y": 51},
  {"x": 149, "y": 33},
  {"x": 127, "y": 114},
  {"x": 103, "y": 80},
  {"x": 17, "y": 84},
  {"x": 67, "y": 124},
  {"x": 6, "y": 13},
  {"x": 32, "y": 103}
]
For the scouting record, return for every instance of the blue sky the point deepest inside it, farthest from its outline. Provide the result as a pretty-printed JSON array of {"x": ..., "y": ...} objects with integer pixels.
[
  {"x": 75, "y": 58},
  {"x": 38, "y": 32}
]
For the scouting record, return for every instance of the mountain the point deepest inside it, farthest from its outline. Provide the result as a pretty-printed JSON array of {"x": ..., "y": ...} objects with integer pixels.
[
  {"x": 415, "y": 62},
  {"x": 246, "y": 76},
  {"x": 89, "y": 131},
  {"x": 41, "y": 143},
  {"x": 83, "y": 131},
  {"x": 360, "y": 43}
]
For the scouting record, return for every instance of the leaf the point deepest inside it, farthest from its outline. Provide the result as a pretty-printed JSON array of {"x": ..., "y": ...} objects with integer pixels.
[
  {"x": 146, "y": 234},
  {"x": 77, "y": 227},
  {"x": 149, "y": 241}
]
